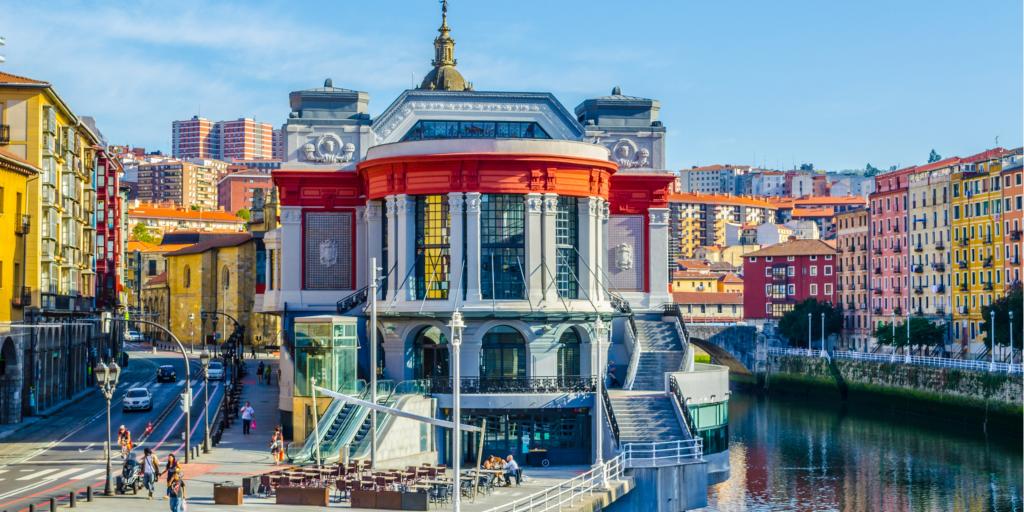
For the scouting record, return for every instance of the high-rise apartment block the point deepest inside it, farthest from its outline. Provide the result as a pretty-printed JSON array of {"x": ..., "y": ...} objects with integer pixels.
[
  {"x": 190, "y": 184},
  {"x": 240, "y": 139}
]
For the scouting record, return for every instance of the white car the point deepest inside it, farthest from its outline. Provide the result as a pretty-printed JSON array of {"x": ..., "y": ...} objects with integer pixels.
[
  {"x": 138, "y": 399},
  {"x": 215, "y": 371},
  {"x": 134, "y": 336}
]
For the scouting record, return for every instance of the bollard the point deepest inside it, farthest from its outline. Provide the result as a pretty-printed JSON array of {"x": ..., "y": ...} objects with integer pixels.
[
  {"x": 53, "y": 504},
  {"x": 88, "y": 493},
  {"x": 32, "y": 507},
  {"x": 72, "y": 499}
]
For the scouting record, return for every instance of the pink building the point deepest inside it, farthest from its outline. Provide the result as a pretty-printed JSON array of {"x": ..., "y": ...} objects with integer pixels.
[
  {"x": 192, "y": 138},
  {"x": 888, "y": 235}
]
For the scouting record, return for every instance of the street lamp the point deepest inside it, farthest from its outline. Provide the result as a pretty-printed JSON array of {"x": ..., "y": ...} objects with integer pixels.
[
  {"x": 810, "y": 322},
  {"x": 204, "y": 360},
  {"x": 1011, "y": 340},
  {"x": 456, "y": 325},
  {"x": 992, "y": 334},
  {"x": 599, "y": 332},
  {"x": 106, "y": 379}
]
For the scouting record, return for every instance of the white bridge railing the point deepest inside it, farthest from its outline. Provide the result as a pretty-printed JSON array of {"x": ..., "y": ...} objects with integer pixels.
[
  {"x": 938, "y": 362},
  {"x": 573, "y": 491}
]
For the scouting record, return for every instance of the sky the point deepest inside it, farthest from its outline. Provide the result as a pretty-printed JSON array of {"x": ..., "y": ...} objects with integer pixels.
[{"x": 838, "y": 83}]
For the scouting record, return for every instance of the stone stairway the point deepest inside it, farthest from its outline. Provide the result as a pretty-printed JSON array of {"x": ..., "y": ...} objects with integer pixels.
[
  {"x": 645, "y": 417},
  {"x": 662, "y": 352}
]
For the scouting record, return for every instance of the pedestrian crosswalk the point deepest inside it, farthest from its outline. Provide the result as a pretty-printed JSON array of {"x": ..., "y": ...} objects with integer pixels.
[{"x": 50, "y": 474}]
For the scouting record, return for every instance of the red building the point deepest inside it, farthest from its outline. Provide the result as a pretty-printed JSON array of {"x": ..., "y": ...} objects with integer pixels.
[
  {"x": 1013, "y": 218},
  {"x": 235, "y": 191},
  {"x": 109, "y": 232},
  {"x": 779, "y": 276},
  {"x": 889, "y": 270}
]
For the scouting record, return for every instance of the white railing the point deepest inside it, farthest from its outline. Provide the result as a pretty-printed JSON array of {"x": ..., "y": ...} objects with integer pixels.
[
  {"x": 633, "y": 342},
  {"x": 938, "y": 362},
  {"x": 569, "y": 493},
  {"x": 666, "y": 453}
]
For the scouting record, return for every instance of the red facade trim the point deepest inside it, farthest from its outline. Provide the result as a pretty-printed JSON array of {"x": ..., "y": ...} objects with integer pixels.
[{"x": 355, "y": 241}]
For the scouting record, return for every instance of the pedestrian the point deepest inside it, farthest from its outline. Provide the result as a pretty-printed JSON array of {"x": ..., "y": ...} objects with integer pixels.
[
  {"x": 252, "y": 349},
  {"x": 259, "y": 373},
  {"x": 512, "y": 471},
  {"x": 247, "y": 413},
  {"x": 171, "y": 466},
  {"x": 176, "y": 491},
  {"x": 277, "y": 445},
  {"x": 150, "y": 471},
  {"x": 266, "y": 374}
]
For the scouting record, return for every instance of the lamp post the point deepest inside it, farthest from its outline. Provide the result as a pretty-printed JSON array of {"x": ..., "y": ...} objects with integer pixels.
[
  {"x": 992, "y": 334},
  {"x": 822, "y": 332},
  {"x": 599, "y": 332},
  {"x": 204, "y": 360},
  {"x": 106, "y": 379},
  {"x": 810, "y": 322},
  {"x": 1011, "y": 340},
  {"x": 896, "y": 347},
  {"x": 456, "y": 325},
  {"x": 373, "y": 361}
]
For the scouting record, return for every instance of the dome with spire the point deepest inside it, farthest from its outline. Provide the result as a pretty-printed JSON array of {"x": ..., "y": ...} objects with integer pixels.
[{"x": 444, "y": 76}]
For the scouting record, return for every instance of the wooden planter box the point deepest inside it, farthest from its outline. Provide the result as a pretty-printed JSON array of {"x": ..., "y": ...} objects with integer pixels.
[
  {"x": 227, "y": 494},
  {"x": 315, "y": 496},
  {"x": 389, "y": 500}
]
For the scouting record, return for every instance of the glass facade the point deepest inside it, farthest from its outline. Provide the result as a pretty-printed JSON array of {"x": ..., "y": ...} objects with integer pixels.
[
  {"x": 432, "y": 247},
  {"x": 560, "y": 435},
  {"x": 567, "y": 231},
  {"x": 431, "y": 130},
  {"x": 502, "y": 246},
  {"x": 430, "y": 354},
  {"x": 503, "y": 354},
  {"x": 569, "y": 354},
  {"x": 325, "y": 349},
  {"x": 712, "y": 424}
]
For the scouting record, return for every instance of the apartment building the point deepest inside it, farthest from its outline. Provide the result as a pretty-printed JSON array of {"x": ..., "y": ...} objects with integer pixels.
[
  {"x": 239, "y": 139},
  {"x": 190, "y": 184},
  {"x": 929, "y": 240},
  {"x": 852, "y": 241},
  {"x": 192, "y": 138},
  {"x": 1013, "y": 218},
  {"x": 778, "y": 277},
  {"x": 889, "y": 244},
  {"x": 704, "y": 219},
  {"x": 236, "y": 191}
]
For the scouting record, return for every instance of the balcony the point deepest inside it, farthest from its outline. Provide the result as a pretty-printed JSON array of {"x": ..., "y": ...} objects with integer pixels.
[
  {"x": 940, "y": 311},
  {"x": 22, "y": 299},
  {"x": 939, "y": 267},
  {"x": 940, "y": 245},
  {"x": 528, "y": 385},
  {"x": 897, "y": 270},
  {"x": 1015, "y": 260},
  {"x": 898, "y": 311},
  {"x": 919, "y": 312},
  {"x": 1015, "y": 235},
  {"x": 988, "y": 240},
  {"x": 963, "y": 287},
  {"x": 896, "y": 228},
  {"x": 987, "y": 263},
  {"x": 877, "y": 251},
  {"x": 878, "y": 271},
  {"x": 897, "y": 249},
  {"x": 897, "y": 290},
  {"x": 965, "y": 241},
  {"x": 877, "y": 291},
  {"x": 987, "y": 286},
  {"x": 5, "y": 134},
  {"x": 941, "y": 288},
  {"x": 964, "y": 310},
  {"x": 917, "y": 269},
  {"x": 839, "y": 287},
  {"x": 22, "y": 227},
  {"x": 877, "y": 311},
  {"x": 962, "y": 264},
  {"x": 918, "y": 248},
  {"x": 918, "y": 290}
]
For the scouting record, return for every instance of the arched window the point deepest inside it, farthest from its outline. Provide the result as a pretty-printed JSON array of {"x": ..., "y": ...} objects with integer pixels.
[
  {"x": 569, "y": 353},
  {"x": 503, "y": 354},
  {"x": 226, "y": 277},
  {"x": 430, "y": 354},
  {"x": 188, "y": 277},
  {"x": 8, "y": 356}
]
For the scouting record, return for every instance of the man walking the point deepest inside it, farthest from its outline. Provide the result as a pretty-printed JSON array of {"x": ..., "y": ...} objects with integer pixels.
[
  {"x": 247, "y": 413},
  {"x": 150, "y": 471}
]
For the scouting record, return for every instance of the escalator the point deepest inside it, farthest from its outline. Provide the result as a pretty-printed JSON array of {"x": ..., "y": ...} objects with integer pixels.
[{"x": 331, "y": 425}]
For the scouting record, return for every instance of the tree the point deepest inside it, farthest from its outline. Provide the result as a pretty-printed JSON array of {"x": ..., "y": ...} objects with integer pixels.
[
  {"x": 870, "y": 170},
  {"x": 934, "y": 157},
  {"x": 141, "y": 233},
  {"x": 793, "y": 325},
  {"x": 243, "y": 213},
  {"x": 806, "y": 167},
  {"x": 194, "y": 207},
  {"x": 923, "y": 333},
  {"x": 1012, "y": 301}
]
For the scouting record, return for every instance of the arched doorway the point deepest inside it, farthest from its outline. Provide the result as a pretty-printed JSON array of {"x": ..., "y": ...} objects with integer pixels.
[
  {"x": 569, "y": 353},
  {"x": 503, "y": 354},
  {"x": 10, "y": 383},
  {"x": 430, "y": 354}
]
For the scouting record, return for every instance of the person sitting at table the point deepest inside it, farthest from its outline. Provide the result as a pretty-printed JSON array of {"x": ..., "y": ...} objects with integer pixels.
[{"x": 512, "y": 470}]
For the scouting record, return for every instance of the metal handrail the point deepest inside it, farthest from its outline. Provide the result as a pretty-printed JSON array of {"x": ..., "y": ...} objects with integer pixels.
[
  {"x": 569, "y": 492},
  {"x": 665, "y": 453},
  {"x": 610, "y": 413},
  {"x": 938, "y": 362},
  {"x": 477, "y": 385}
]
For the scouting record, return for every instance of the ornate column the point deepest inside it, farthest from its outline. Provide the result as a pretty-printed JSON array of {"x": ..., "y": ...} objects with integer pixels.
[
  {"x": 657, "y": 256},
  {"x": 586, "y": 212},
  {"x": 549, "y": 251},
  {"x": 362, "y": 262},
  {"x": 392, "y": 218},
  {"x": 472, "y": 206},
  {"x": 292, "y": 239},
  {"x": 534, "y": 248},
  {"x": 602, "y": 217},
  {"x": 456, "y": 281},
  {"x": 374, "y": 239},
  {"x": 405, "y": 249}
]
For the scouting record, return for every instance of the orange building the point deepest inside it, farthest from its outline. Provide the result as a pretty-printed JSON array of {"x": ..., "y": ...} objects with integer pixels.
[{"x": 1013, "y": 218}]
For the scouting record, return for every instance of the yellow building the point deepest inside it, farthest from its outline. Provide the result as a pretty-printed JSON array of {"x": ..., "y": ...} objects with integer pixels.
[
  {"x": 42, "y": 130},
  {"x": 14, "y": 226},
  {"x": 977, "y": 237},
  {"x": 215, "y": 274}
]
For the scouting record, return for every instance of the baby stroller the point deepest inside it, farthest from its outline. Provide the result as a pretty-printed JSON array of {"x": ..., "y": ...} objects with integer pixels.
[{"x": 130, "y": 477}]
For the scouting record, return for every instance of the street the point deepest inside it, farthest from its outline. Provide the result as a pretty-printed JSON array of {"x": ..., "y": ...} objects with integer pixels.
[{"x": 66, "y": 450}]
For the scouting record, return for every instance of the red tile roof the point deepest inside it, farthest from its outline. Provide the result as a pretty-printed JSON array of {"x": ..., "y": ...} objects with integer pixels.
[
  {"x": 707, "y": 298},
  {"x": 813, "y": 212},
  {"x": 23, "y": 166},
  {"x": 795, "y": 248},
  {"x": 945, "y": 162},
  {"x": 984, "y": 156},
  {"x": 8, "y": 78},
  {"x": 223, "y": 240},
  {"x": 160, "y": 278},
  {"x": 162, "y": 212},
  {"x": 689, "y": 197},
  {"x": 732, "y": 278}
]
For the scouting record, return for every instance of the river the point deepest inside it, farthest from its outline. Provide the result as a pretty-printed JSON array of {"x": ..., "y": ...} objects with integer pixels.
[{"x": 795, "y": 454}]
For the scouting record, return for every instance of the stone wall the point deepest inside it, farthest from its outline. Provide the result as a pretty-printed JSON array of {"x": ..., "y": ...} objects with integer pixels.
[{"x": 947, "y": 387}]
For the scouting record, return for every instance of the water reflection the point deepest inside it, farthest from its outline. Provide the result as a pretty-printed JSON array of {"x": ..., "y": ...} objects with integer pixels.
[{"x": 795, "y": 455}]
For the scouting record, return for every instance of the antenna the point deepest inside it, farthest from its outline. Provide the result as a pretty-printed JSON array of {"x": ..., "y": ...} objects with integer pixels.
[
  {"x": 997, "y": 137},
  {"x": 3, "y": 42}
]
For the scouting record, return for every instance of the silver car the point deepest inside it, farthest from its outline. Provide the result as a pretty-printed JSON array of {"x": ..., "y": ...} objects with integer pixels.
[
  {"x": 215, "y": 371},
  {"x": 138, "y": 399}
]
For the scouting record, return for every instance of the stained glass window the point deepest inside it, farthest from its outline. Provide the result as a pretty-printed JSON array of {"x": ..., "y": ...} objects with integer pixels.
[{"x": 432, "y": 247}]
